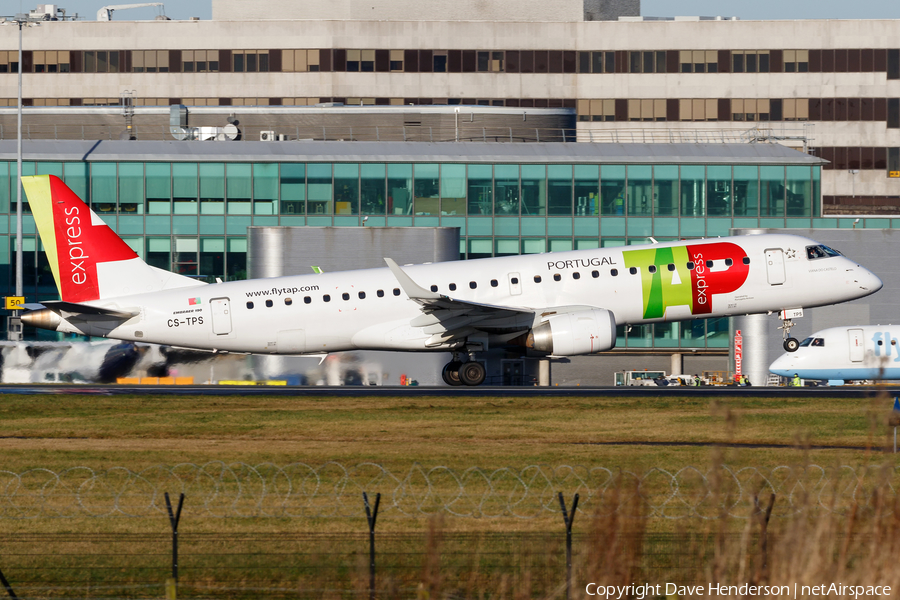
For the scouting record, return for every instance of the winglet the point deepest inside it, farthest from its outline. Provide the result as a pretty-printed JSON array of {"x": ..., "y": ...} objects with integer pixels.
[
  {"x": 317, "y": 270},
  {"x": 412, "y": 289}
]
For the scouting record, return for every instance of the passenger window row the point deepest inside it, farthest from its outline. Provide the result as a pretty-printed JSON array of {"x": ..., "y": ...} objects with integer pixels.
[
  {"x": 495, "y": 283},
  {"x": 325, "y": 298},
  {"x": 651, "y": 269}
]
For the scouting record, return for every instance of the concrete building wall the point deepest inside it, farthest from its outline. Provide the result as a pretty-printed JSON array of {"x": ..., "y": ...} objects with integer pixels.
[
  {"x": 451, "y": 10},
  {"x": 239, "y": 27},
  {"x": 557, "y": 34},
  {"x": 277, "y": 251},
  {"x": 381, "y": 123}
]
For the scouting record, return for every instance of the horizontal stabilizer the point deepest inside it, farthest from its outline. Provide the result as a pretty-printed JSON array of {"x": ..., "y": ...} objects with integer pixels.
[{"x": 84, "y": 309}]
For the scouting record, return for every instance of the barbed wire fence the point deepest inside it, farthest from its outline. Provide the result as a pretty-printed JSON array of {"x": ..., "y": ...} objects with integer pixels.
[
  {"x": 236, "y": 564},
  {"x": 334, "y": 490}
]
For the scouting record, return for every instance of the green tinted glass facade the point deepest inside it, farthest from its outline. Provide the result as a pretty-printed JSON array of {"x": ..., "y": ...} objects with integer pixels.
[{"x": 191, "y": 217}]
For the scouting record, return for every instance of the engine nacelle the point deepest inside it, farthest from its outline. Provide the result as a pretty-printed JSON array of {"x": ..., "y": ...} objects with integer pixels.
[{"x": 572, "y": 333}]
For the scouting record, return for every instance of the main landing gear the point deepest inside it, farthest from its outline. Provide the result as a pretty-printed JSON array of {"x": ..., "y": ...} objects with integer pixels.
[{"x": 457, "y": 372}]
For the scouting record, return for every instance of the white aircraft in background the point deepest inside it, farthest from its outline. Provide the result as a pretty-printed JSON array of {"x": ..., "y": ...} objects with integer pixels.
[
  {"x": 559, "y": 304},
  {"x": 845, "y": 353}
]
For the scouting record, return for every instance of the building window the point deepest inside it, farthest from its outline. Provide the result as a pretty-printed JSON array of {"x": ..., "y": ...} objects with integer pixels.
[
  {"x": 749, "y": 61},
  {"x": 396, "y": 61},
  {"x": 795, "y": 109},
  {"x": 250, "y": 61},
  {"x": 599, "y": 62},
  {"x": 646, "y": 110},
  {"x": 143, "y": 61},
  {"x": 200, "y": 61},
  {"x": 697, "y": 61},
  {"x": 299, "y": 61},
  {"x": 100, "y": 61},
  {"x": 596, "y": 110},
  {"x": 49, "y": 61},
  {"x": 893, "y": 63},
  {"x": 698, "y": 109},
  {"x": 893, "y": 162},
  {"x": 893, "y": 113},
  {"x": 353, "y": 60},
  {"x": 796, "y": 61},
  {"x": 439, "y": 58}
]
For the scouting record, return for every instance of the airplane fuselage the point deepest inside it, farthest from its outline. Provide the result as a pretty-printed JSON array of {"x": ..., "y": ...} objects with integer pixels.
[
  {"x": 369, "y": 309},
  {"x": 845, "y": 353}
]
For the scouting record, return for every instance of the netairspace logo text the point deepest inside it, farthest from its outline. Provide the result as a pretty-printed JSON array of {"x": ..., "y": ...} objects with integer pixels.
[{"x": 646, "y": 590}]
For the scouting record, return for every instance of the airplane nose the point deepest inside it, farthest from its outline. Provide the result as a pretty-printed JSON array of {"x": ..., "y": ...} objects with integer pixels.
[
  {"x": 782, "y": 366},
  {"x": 869, "y": 281}
]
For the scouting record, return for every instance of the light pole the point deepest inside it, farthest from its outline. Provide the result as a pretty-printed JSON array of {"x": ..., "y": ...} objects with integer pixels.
[{"x": 14, "y": 328}]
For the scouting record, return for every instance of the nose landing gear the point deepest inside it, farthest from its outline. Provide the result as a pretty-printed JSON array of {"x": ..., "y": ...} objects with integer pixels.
[
  {"x": 790, "y": 344},
  {"x": 457, "y": 372}
]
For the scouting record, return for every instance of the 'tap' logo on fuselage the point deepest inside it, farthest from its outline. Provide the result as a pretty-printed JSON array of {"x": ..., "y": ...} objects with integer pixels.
[{"x": 671, "y": 283}]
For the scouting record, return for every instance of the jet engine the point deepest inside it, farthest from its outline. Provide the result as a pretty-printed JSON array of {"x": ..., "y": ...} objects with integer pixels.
[{"x": 578, "y": 332}]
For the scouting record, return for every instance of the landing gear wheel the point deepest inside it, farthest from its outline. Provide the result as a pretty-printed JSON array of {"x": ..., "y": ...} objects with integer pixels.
[
  {"x": 791, "y": 344},
  {"x": 472, "y": 373},
  {"x": 450, "y": 374}
]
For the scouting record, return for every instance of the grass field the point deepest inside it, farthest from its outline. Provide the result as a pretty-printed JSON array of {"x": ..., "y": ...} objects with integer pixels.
[
  {"x": 58, "y": 431},
  {"x": 456, "y": 555}
]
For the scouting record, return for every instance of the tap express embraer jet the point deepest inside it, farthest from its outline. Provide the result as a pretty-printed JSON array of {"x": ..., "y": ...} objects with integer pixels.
[
  {"x": 558, "y": 304},
  {"x": 845, "y": 353}
]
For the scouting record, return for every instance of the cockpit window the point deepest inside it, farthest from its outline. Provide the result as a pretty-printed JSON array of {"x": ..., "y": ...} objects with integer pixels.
[
  {"x": 806, "y": 342},
  {"x": 818, "y": 342},
  {"x": 820, "y": 251}
]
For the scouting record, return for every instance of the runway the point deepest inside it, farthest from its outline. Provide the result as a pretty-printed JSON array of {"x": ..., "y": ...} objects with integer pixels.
[{"x": 462, "y": 391}]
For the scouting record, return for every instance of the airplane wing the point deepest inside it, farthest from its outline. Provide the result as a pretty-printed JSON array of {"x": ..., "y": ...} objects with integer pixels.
[{"x": 448, "y": 318}]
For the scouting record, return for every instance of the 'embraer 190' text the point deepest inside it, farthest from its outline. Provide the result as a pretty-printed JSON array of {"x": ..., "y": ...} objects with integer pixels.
[{"x": 73, "y": 243}]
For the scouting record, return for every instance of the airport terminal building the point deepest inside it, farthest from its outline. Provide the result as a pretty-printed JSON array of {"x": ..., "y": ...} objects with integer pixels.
[{"x": 567, "y": 126}]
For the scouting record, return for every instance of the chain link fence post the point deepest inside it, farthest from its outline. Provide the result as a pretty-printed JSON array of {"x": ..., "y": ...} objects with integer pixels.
[
  {"x": 8, "y": 587},
  {"x": 568, "y": 519},
  {"x": 371, "y": 515},
  {"x": 172, "y": 584}
]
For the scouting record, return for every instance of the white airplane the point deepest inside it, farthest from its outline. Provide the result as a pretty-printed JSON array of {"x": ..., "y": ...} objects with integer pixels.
[
  {"x": 559, "y": 304},
  {"x": 844, "y": 353}
]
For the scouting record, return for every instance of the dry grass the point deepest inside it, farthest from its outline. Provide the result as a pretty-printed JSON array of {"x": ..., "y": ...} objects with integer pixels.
[
  {"x": 102, "y": 431},
  {"x": 453, "y": 557}
]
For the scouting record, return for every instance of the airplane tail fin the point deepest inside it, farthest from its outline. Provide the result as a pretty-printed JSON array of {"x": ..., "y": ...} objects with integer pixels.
[{"x": 89, "y": 261}]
